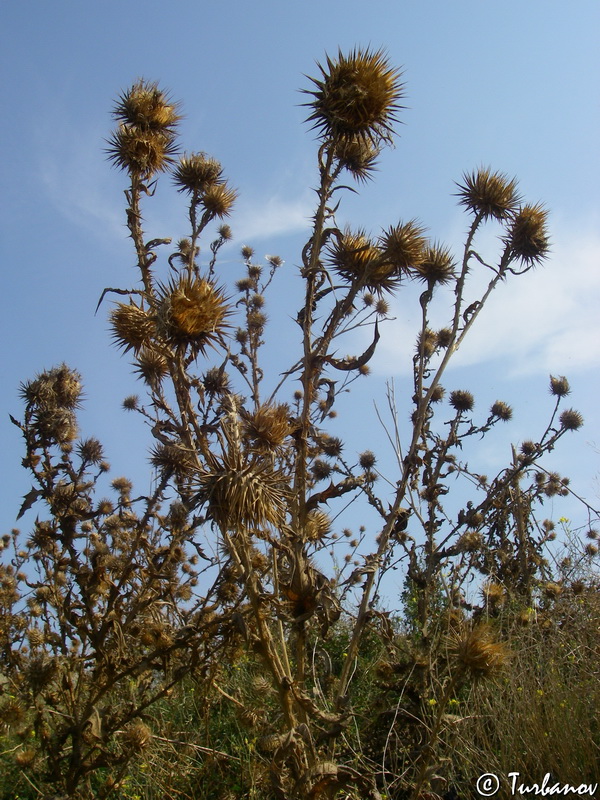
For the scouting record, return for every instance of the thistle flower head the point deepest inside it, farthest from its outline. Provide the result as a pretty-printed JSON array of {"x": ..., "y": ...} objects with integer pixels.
[
  {"x": 318, "y": 525},
  {"x": 462, "y": 400},
  {"x": 528, "y": 235},
  {"x": 147, "y": 107},
  {"x": 488, "y": 193},
  {"x": 268, "y": 426},
  {"x": 475, "y": 652},
  {"x": 436, "y": 266},
  {"x": 196, "y": 172},
  {"x": 559, "y": 387},
  {"x": 141, "y": 152},
  {"x": 193, "y": 311},
  {"x": 404, "y": 245},
  {"x": 151, "y": 366},
  {"x": 501, "y": 410},
  {"x": 218, "y": 200},
  {"x": 144, "y": 142},
  {"x": 571, "y": 420},
  {"x": 243, "y": 489},
  {"x": 59, "y": 387},
  {"x": 132, "y": 327},
  {"x": 357, "y": 156},
  {"x": 356, "y": 98}
]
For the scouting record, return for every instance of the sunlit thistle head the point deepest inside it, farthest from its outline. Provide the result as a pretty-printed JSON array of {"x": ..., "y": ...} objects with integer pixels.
[
  {"x": 356, "y": 98},
  {"x": 489, "y": 194}
]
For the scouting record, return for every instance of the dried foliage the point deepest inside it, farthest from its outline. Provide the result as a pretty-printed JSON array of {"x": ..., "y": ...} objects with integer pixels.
[{"x": 233, "y": 575}]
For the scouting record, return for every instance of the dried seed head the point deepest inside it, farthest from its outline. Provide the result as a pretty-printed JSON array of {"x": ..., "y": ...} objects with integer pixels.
[
  {"x": 171, "y": 459},
  {"x": 476, "y": 653},
  {"x": 321, "y": 470},
  {"x": 462, "y": 400},
  {"x": 12, "y": 712},
  {"x": 144, "y": 142},
  {"x": 404, "y": 246},
  {"x": 193, "y": 312},
  {"x": 243, "y": 490},
  {"x": 367, "y": 460},
  {"x": 132, "y": 326},
  {"x": 444, "y": 337},
  {"x": 501, "y": 410},
  {"x": 493, "y": 594},
  {"x": 571, "y": 420},
  {"x": 136, "y": 737},
  {"x": 218, "y": 200},
  {"x": 436, "y": 266},
  {"x": 59, "y": 425},
  {"x": 529, "y": 448},
  {"x": 196, "y": 173},
  {"x": 358, "y": 157},
  {"x": 148, "y": 107},
  {"x": 426, "y": 343},
  {"x": 489, "y": 194},
  {"x": 318, "y": 525},
  {"x": 331, "y": 445},
  {"x": 151, "y": 366},
  {"x": 356, "y": 98},
  {"x": 216, "y": 381},
  {"x": 382, "y": 307},
  {"x": 90, "y": 450},
  {"x": 528, "y": 237},
  {"x": 552, "y": 590},
  {"x": 437, "y": 394},
  {"x": 141, "y": 152},
  {"x": 59, "y": 387},
  {"x": 268, "y": 426},
  {"x": 357, "y": 259},
  {"x": 559, "y": 387},
  {"x": 470, "y": 542},
  {"x": 24, "y": 759}
]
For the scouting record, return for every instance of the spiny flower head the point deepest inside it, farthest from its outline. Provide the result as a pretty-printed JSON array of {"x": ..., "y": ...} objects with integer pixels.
[
  {"x": 571, "y": 420},
  {"x": 404, "y": 245},
  {"x": 196, "y": 172},
  {"x": 501, "y": 410},
  {"x": 490, "y": 194},
  {"x": 357, "y": 156},
  {"x": 528, "y": 235},
  {"x": 243, "y": 490},
  {"x": 144, "y": 142},
  {"x": 147, "y": 107},
  {"x": 559, "y": 387},
  {"x": 193, "y": 311},
  {"x": 356, "y": 97},
  {"x": 476, "y": 653},
  {"x": 268, "y": 426},
  {"x": 436, "y": 266},
  {"x": 357, "y": 258},
  {"x": 59, "y": 387},
  {"x": 132, "y": 327},
  {"x": 462, "y": 400}
]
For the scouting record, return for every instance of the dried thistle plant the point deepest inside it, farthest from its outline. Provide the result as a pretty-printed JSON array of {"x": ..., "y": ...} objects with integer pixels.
[{"x": 113, "y": 601}]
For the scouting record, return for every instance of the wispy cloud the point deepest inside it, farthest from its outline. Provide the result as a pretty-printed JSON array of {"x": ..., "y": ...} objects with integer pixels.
[
  {"x": 76, "y": 179},
  {"x": 544, "y": 321},
  {"x": 276, "y": 216}
]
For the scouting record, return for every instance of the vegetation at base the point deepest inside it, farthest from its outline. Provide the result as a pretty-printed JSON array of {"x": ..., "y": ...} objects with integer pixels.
[{"x": 224, "y": 636}]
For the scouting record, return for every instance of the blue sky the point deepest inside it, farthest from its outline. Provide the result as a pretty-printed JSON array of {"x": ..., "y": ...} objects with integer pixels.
[{"x": 512, "y": 85}]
